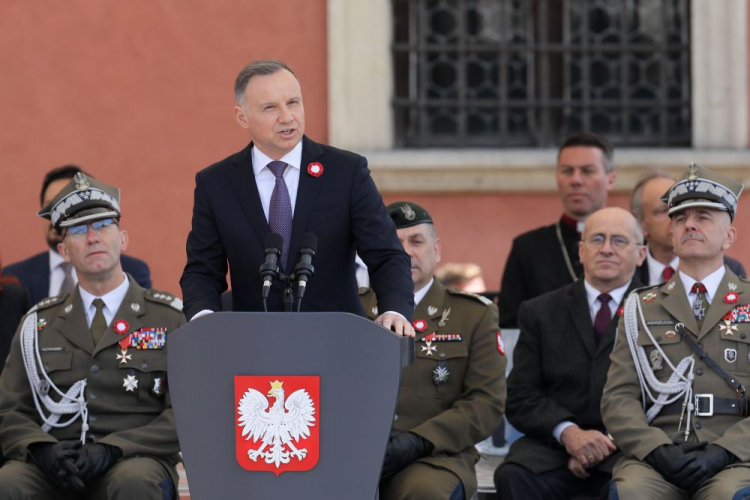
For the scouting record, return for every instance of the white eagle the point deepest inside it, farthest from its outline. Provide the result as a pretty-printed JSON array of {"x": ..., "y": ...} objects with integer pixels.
[{"x": 277, "y": 426}]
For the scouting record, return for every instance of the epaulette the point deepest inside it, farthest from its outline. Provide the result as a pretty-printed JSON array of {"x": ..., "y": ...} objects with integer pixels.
[
  {"x": 48, "y": 302},
  {"x": 744, "y": 278},
  {"x": 164, "y": 298},
  {"x": 644, "y": 288},
  {"x": 481, "y": 298}
]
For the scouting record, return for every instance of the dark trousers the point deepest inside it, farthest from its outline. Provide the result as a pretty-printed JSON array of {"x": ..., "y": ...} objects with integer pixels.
[{"x": 514, "y": 482}]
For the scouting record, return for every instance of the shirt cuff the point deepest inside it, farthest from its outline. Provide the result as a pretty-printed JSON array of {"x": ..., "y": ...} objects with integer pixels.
[
  {"x": 201, "y": 313},
  {"x": 396, "y": 313},
  {"x": 559, "y": 428}
]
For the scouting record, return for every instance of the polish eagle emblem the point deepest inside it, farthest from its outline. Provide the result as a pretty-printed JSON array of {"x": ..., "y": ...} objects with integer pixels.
[{"x": 279, "y": 427}]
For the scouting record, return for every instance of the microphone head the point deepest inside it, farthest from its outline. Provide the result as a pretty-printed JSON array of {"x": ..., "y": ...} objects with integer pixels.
[
  {"x": 308, "y": 241},
  {"x": 274, "y": 240}
]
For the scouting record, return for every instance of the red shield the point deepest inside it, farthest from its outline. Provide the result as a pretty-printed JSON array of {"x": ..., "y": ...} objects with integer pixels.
[{"x": 277, "y": 422}]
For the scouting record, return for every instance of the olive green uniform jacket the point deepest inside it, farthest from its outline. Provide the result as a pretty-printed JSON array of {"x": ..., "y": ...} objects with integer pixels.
[
  {"x": 664, "y": 306},
  {"x": 470, "y": 405},
  {"x": 139, "y": 422}
]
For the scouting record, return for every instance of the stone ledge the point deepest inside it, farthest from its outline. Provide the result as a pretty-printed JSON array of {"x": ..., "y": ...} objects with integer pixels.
[{"x": 529, "y": 170}]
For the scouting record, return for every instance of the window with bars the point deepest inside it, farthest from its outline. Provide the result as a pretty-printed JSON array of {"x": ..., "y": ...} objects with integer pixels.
[{"x": 495, "y": 73}]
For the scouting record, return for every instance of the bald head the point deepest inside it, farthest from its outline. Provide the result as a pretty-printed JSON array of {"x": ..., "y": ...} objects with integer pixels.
[{"x": 611, "y": 248}]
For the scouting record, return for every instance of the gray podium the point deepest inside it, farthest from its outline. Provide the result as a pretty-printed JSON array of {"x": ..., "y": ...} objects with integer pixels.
[{"x": 357, "y": 364}]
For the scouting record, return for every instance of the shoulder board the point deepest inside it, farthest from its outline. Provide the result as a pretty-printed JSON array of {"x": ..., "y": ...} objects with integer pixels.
[
  {"x": 644, "y": 288},
  {"x": 481, "y": 298},
  {"x": 49, "y": 302},
  {"x": 164, "y": 298},
  {"x": 745, "y": 279}
]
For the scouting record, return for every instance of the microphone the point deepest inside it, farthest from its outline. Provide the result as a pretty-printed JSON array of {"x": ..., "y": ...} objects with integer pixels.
[
  {"x": 270, "y": 269},
  {"x": 304, "y": 270}
]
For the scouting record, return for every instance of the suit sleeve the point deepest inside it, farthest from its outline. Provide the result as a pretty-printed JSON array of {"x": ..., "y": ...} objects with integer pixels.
[
  {"x": 138, "y": 269},
  {"x": 513, "y": 290},
  {"x": 479, "y": 411},
  {"x": 204, "y": 277},
  {"x": 158, "y": 437},
  {"x": 530, "y": 409},
  {"x": 622, "y": 409},
  {"x": 377, "y": 244}
]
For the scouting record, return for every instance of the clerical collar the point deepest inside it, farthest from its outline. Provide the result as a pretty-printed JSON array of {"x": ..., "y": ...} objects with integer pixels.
[{"x": 570, "y": 222}]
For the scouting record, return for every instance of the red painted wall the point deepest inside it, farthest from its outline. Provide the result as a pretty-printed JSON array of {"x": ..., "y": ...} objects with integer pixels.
[{"x": 139, "y": 93}]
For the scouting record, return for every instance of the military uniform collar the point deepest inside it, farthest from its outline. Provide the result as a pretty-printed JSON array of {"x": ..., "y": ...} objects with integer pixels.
[
  {"x": 132, "y": 307},
  {"x": 711, "y": 282},
  {"x": 418, "y": 296},
  {"x": 112, "y": 300}
]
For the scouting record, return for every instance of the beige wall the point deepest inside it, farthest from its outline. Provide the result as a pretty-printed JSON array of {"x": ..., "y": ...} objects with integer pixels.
[{"x": 140, "y": 94}]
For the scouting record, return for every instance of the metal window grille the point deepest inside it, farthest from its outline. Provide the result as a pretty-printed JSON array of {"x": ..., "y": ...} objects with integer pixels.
[{"x": 472, "y": 73}]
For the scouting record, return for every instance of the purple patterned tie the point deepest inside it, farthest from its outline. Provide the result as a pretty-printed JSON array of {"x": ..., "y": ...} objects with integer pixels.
[
  {"x": 603, "y": 317},
  {"x": 280, "y": 210}
]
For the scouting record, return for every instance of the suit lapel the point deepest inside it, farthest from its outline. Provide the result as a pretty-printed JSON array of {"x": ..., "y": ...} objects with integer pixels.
[
  {"x": 719, "y": 307},
  {"x": 307, "y": 192},
  {"x": 127, "y": 312},
  {"x": 578, "y": 306},
  {"x": 73, "y": 324},
  {"x": 243, "y": 182},
  {"x": 675, "y": 301}
]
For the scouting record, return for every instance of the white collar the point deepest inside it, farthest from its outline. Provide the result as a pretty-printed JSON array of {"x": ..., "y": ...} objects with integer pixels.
[
  {"x": 656, "y": 268},
  {"x": 292, "y": 158},
  {"x": 711, "y": 282},
  {"x": 616, "y": 295},
  {"x": 55, "y": 259},
  {"x": 112, "y": 300},
  {"x": 418, "y": 296}
]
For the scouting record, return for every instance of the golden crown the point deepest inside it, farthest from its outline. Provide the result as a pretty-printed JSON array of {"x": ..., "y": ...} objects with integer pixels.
[{"x": 276, "y": 385}]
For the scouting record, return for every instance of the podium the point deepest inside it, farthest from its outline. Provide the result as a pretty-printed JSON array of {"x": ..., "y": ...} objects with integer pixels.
[{"x": 357, "y": 364}]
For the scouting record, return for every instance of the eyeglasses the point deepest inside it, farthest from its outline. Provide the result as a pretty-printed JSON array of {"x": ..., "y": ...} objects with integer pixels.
[
  {"x": 81, "y": 230},
  {"x": 618, "y": 242}
]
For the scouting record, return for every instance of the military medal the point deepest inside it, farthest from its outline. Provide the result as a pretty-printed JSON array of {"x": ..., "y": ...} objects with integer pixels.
[
  {"x": 728, "y": 328},
  {"x": 148, "y": 338},
  {"x": 130, "y": 383},
  {"x": 730, "y": 355},
  {"x": 158, "y": 388},
  {"x": 121, "y": 327},
  {"x": 656, "y": 360},
  {"x": 315, "y": 169},
  {"x": 440, "y": 375},
  {"x": 41, "y": 325},
  {"x": 731, "y": 298},
  {"x": 429, "y": 348},
  {"x": 124, "y": 357},
  {"x": 419, "y": 325},
  {"x": 739, "y": 314},
  {"x": 444, "y": 318},
  {"x": 649, "y": 297}
]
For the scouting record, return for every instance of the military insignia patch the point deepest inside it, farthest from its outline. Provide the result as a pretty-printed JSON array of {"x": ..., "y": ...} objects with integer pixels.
[
  {"x": 656, "y": 360},
  {"x": 731, "y": 298},
  {"x": 500, "y": 343},
  {"x": 41, "y": 325},
  {"x": 649, "y": 297},
  {"x": 148, "y": 338},
  {"x": 732, "y": 286},
  {"x": 444, "y": 317},
  {"x": 68, "y": 308},
  {"x": 431, "y": 310},
  {"x": 408, "y": 212},
  {"x": 276, "y": 432},
  {"x": 730, "y": 355},
  {"x": 440, "y": 375},
  {"x": 121, "y": 327},
  {"x": 135, "y": 306},
  {"x": 419, "y": 325}
]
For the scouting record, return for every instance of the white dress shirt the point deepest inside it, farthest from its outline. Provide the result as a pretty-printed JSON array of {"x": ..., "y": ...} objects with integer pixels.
[
  {"x": 656, "y": 268},
  {"x": 57, "y": 274},
  {"x": 418, "y": 296},
  {"x": 112, "y": 301},
  {"x": 711, "y": 282},
  {"x": 266, "y": 181}
]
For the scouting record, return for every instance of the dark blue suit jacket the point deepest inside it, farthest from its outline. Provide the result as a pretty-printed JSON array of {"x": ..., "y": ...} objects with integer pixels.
[
  {"x": 342, "y": 207},
  {"x": 33, "y": 273}
]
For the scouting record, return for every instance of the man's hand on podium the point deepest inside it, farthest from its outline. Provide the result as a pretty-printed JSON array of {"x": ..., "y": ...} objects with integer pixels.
[{"x": 396, "y": 323}]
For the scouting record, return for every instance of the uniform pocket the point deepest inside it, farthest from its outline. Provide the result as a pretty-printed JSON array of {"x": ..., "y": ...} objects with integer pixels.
[
  {"x": 446, "y": 364},
  {"x": 149, "y": 367}
]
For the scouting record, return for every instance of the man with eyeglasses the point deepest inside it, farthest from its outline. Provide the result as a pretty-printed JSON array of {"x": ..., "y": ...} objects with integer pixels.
[
  {"x": 84, "y": 398},
  {"x": 560, "y": 367},
  {"x": 675, "y": 400}
]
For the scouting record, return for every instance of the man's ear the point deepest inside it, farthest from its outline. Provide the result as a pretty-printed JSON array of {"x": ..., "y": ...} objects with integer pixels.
[
  {"x": 124, "y": 239},
  {"x": 240, "y": 115},
  {"x": 63, "y": 250}
]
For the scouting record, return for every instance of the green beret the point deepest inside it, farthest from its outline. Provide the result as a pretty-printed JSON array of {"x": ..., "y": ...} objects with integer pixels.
[
  {"x": 701, "y": 187},
  {"x": 407, "y": 214},
  {"x": 82, "y": 200}
]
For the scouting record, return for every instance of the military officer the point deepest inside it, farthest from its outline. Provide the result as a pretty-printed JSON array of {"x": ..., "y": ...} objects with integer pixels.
[
  {"x": 85, "y": 410},
  {"x": 675, "y": 399},
  {"x": 453, "y": 396}
]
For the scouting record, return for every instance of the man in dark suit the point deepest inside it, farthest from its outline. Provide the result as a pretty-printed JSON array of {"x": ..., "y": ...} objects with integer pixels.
[
  {"x": 285, "y": 183},
  {"x": 647, "y": 206},
  {"x": 47, "y": 274},
  {"x": 546, "y": 258},
  {"x": 560, "y": 367}
]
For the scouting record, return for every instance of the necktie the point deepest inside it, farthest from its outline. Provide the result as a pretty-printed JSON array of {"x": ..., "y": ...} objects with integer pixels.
[
  {"x": 603, "y": 317},
  {"x": 667, "y": 273},
  {"x": 99, "y": 323},
  {"x": 699, "y": 304},
  {"x": 68, "y": 283},
  {"x": 280, "y": 209}
]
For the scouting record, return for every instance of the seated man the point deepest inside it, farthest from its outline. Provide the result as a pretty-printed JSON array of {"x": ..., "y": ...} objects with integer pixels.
[
  {"x": 84, "y": 398},
  {"x": 47, "y": 274},
  {"x": 560, "y": 367},
  {"x": 675, "y": 400},
  {"x": 454, "y": 394}
]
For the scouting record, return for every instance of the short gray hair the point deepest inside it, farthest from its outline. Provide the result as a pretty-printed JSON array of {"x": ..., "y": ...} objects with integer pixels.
[
  {"x": 255, "y": 68},
  {"x": 636, "y": 197}
]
